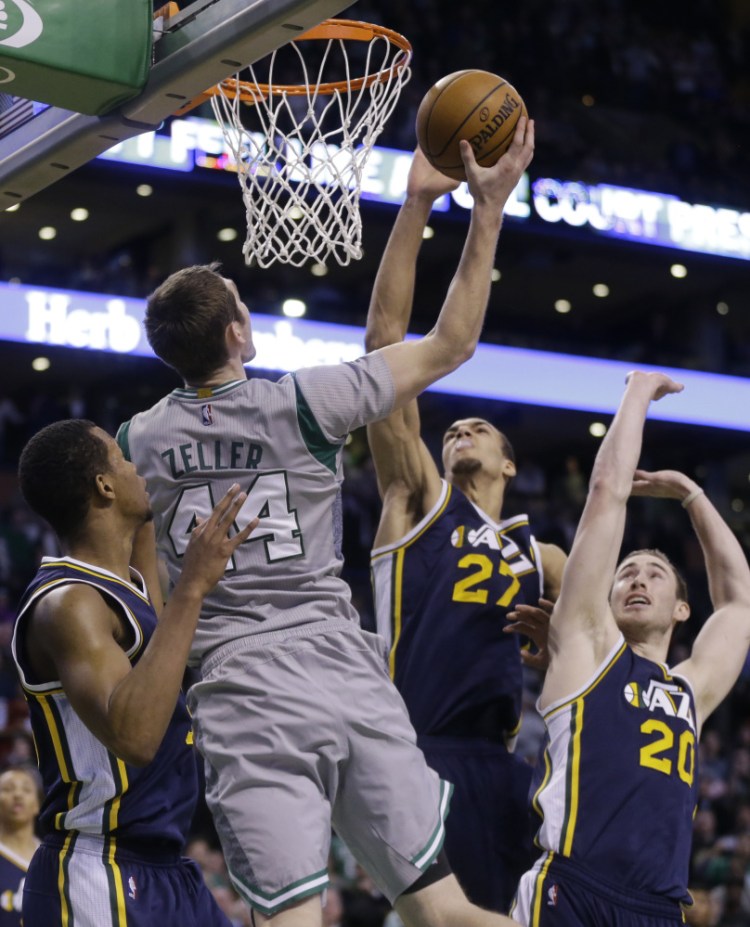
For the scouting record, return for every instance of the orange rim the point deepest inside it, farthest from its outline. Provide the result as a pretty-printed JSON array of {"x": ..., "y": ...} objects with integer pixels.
[
  {"x": 346, "y": 29},
  {"x": 167, "y": 11}
]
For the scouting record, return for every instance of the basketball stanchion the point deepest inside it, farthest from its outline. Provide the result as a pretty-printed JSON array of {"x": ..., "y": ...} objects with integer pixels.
[{"x": 300, "y": 130}]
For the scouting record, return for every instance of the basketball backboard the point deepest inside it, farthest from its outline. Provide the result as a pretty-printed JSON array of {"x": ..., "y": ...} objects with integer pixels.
[{"x": 202, "y": 44}]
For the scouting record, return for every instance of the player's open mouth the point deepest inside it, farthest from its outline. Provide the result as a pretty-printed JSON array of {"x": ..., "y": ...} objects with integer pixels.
[{"x": 637, "y": 600}]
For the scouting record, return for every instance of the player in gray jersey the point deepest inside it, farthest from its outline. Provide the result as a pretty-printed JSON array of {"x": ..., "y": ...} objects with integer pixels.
[{"x": 294, "y": 713}]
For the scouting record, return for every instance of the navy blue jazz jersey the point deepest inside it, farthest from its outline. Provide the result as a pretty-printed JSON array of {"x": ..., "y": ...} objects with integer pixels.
[
  {"x": 617, "y": 785},
  {"x": 88, "y": 789},
  {"x": 442, "y": 594},
  {"x": 12, "y": 874}
]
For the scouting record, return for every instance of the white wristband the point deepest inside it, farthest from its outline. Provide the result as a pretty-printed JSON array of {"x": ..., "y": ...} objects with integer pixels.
[{"x": 692, "y": 497}]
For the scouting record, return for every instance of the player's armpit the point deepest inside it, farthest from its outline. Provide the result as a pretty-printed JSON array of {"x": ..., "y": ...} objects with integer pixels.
[{"x": 401, "y": 456}]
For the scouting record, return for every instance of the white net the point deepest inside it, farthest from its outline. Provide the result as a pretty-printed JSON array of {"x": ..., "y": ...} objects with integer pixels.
[{"x": 300, "y": 147}]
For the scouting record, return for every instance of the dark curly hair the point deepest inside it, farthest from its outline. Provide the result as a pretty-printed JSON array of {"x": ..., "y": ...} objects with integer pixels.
[{"x": 57, "y": 472}]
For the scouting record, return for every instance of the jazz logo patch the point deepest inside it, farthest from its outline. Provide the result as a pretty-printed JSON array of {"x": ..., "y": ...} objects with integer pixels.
[{"x": 207, "y": 415}]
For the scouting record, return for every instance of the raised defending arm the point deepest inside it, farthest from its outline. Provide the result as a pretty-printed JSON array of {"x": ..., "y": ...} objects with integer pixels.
[
  {"x": 582, "y": 629},
  {"x": 408, "y": 478},
  {"x": 417, "y": 364},
  {"x": 393, "y": 292},
  {"x": 721, "y": 647}
]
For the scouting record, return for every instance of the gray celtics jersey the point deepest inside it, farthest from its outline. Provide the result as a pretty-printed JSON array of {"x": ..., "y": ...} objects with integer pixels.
[{"x": 282, "y": 442}]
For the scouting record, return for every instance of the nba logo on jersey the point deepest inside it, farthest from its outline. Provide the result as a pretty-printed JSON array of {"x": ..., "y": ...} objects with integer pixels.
[
  {"x": 132, "y": 888},
  {"x": 552, "y": 892},
  {"x": 207, "y": 415}
]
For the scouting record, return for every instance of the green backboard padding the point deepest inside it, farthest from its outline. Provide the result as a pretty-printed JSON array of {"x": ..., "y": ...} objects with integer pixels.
[{"x": 84, "y": 55}]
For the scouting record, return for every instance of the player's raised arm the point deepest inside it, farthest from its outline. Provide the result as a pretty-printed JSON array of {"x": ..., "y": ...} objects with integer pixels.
[
  {"x": 582, "y": 629},
  {"x": 408, "y": 478},
  {"x": 393, "y": 293},
  {"x": 721, "y": 647},
  {"x": 417, "y": 364}
]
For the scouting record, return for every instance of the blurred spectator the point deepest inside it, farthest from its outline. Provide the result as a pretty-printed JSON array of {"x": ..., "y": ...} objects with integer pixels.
[
  {"x": 364, "y": 905},
  {"x": 10, "y": 418},
  {"x": 333, "y": 907}
]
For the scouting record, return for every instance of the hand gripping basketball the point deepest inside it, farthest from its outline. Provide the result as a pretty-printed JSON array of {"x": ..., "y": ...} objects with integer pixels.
[
  {"x": 496, "y": 183},
  {"x": 478, "y": 106}
]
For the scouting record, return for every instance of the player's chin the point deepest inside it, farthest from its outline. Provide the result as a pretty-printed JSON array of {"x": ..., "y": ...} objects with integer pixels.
[
  {"x": 632, "y": 624},
  {"x": 465, "y": 466}
]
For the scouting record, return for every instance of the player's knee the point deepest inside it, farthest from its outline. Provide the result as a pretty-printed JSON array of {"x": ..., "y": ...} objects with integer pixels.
[
  {"x": 434, "y": 900},
  {"x": 439, "y": 869},
  {"x": 305, "y": 913}
]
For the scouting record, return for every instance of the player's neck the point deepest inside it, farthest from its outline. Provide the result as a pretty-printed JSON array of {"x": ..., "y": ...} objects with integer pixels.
[
  {"x": 104, "y": 545},
  {"x": 21, "y": 841},
  {"x": 484, "y": 492},
  {"x": 234, "y": 369},
  {"x": 654, "y": 648}
]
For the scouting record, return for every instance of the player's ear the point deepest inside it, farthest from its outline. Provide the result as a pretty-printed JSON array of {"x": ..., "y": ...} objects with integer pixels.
[
  {"x": 509, "y": 469},
  {"x": 235, "y": 334},
  {"x": 104, "y": 486},
  {"x": 681, "y": 611}
]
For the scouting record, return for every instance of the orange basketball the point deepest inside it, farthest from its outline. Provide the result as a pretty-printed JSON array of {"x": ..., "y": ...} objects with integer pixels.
[{"x": 476, "y": 105}]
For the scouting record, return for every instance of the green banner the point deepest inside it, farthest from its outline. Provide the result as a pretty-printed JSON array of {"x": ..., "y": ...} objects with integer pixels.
[{"x": 88, "y": 56}]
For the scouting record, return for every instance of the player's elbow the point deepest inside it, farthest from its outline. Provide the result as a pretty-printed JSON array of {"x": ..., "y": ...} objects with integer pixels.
[
  {"x": 606, "y": 487},
  {"x": 468, "y": 351},
  {"x": 137, "y": 755},
  {"x": 373, "y": 341},
  {"x": 138, "y": 759},
  {"x": 458, "y": 353},
  {"x": 380, "y": 336},
  {"x": 138, "y": 750},
  {"x": 452, "y": 347},
  {"x": 449, "y": 357}
]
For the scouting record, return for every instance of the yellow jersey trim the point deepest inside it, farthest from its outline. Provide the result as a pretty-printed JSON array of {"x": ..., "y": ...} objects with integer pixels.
[
  {"x": 396, "y": 618},
  {"x": 592, "y": 685}
]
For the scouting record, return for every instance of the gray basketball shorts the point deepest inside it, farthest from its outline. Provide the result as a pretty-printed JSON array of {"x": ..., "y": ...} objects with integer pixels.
[{"x": 302, "y": 731}]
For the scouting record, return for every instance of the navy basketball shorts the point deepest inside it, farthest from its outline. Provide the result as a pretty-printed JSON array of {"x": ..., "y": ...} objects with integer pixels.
[
  {"x": 488, "y": 838},
  {"x": 87, "y": 882},
  {"x": 559, "y": 893}
]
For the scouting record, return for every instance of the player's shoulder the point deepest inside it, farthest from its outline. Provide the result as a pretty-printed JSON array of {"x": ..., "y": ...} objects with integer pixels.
[
  {"x": 141, "y": 419},
  {"x": 66, "y": 603},
  {"x": 518, "y": 522}
]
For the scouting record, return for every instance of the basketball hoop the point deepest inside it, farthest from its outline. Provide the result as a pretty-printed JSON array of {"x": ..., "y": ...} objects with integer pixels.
[{"x": 301, "y": 167}]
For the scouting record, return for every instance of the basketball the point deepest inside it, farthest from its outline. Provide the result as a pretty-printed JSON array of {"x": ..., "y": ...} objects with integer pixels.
[{"x": 476, "y": 105}]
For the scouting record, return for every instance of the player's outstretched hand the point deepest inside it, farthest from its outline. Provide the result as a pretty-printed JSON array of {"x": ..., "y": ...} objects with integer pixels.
[
  {"x": 663, "y": 484},
  {"x": 533, "y": 622},
  {"x": 659, "y": 384},
  {"x": 426, "y": 181},
  {"x": 210, "y": 545},
  {"x": 495, "y": 184}
]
